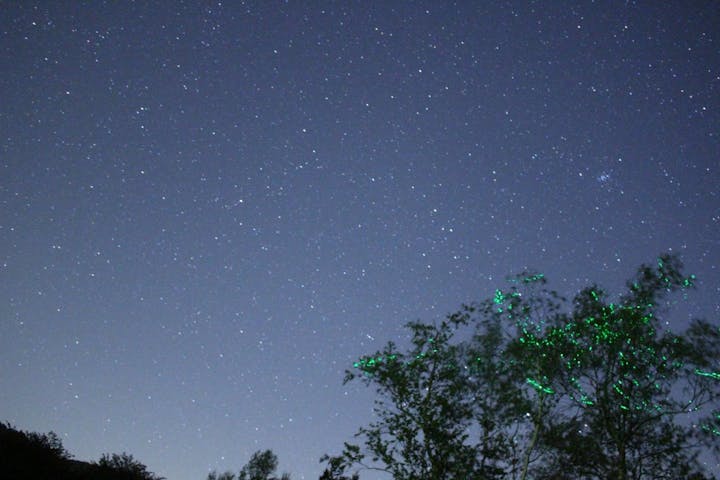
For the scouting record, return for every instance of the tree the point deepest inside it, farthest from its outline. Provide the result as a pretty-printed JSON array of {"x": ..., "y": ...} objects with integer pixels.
[
  {"x": 222, "y": 476},
  {"x": 544, "y": 390},
  {"x": 50, "y": 442},
  {"x": 519, "y": 368},
  {"x": 26, "y": 455},
  {"x": 124, "y": 466},
  {"x": 631, "y": 380},
  {"x": 423, "y": 411},
  {"x": 466, "y": 400},
  {"x": 32, "y": 455},
  {"x": 262, "y": 466},
  {"x": 336, "y": 469}
]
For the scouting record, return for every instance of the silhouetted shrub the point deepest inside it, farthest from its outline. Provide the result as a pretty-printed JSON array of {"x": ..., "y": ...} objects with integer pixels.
[
  {"x": 124, "y": 467},
  {"x": 38, "y": 456}
]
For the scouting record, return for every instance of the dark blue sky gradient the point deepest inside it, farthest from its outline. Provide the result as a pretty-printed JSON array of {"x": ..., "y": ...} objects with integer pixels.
[{"x": 209, "y": 210}]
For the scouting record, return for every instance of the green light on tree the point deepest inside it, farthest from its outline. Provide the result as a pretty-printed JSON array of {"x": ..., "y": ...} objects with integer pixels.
[
  {"x": 713, "y": 375},
  {"x": 539, "y": 387}
]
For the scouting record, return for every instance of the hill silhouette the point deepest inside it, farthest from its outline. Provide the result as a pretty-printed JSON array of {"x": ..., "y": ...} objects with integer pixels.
[{"x": 35, "y": 456}]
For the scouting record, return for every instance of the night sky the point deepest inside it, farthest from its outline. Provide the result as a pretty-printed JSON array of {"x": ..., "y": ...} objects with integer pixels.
[{"x": 209, "y": 210}]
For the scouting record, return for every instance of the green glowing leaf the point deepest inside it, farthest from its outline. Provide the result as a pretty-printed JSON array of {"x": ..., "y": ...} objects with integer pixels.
[
  {"x": 714, "y": 375},
  {"x": 534, "y": 278},
  {"x": 370, "y": 362},
  {"x": 539, "y": 387},
  {"x": 499, "y": 297}
]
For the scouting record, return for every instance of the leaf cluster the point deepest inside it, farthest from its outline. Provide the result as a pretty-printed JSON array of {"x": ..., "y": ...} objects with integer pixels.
[{"x": 261, "y": 466}]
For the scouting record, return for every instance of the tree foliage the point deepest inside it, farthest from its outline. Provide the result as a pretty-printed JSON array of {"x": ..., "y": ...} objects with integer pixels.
[
  {"x": 527, "y": 385},
  {"x": 632, "y": 380},
  {"x": 336, "y": 469},
  {"x": 30, "y": 455},
  {"x": 124, "y": 466},
  {"x": 221, "y": 476},
  {"x": 262, "y": 466},
  {"x": 423, "y": 432}
]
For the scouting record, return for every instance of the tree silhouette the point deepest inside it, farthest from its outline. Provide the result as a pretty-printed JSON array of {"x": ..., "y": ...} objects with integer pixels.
[
  {"x": 29, "y": 455},
  {"x": 545, "y": 390},
  {"x": 518, "y": 373},
  {"x": 335, "y": 470},
  {"x": 262, "y": 466},
  {"x": 124, "y": 467},
  {"x": 424, "y": 414},
  {"x": 222, "y": 476},
  {"x": 632, "y": 381}
]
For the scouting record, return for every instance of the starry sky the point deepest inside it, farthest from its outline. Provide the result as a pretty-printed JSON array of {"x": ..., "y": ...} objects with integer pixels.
[{"x": 208, "y": 210}]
